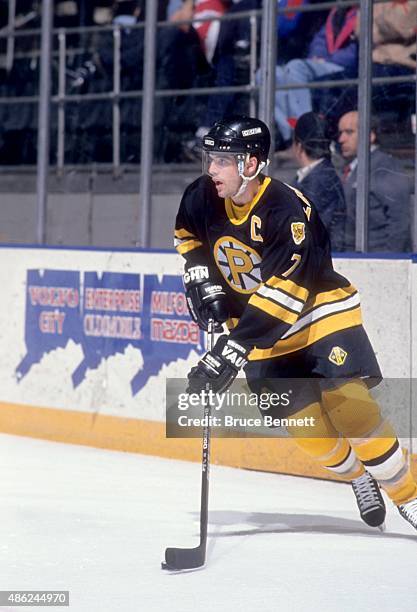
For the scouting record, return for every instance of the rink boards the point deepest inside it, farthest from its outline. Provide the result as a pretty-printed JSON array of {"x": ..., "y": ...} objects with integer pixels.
[{"x": 90, "y": 336}]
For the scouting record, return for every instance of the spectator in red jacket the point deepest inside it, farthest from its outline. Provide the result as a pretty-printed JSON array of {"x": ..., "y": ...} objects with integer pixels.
[{"x": 333, "y": 50}]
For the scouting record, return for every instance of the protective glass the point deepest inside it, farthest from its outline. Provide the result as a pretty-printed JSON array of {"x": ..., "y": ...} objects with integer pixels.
[{"x": 217, "y": 160}]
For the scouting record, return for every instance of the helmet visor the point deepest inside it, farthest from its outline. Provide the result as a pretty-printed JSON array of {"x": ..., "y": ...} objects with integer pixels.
[{"x": 215, "y": 161}]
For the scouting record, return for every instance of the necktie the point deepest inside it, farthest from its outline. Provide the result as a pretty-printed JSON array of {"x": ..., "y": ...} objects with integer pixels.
[{"x": 346, "y": 172}]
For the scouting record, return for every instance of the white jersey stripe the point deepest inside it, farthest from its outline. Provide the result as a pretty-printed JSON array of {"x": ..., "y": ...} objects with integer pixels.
[
  {"x": 178, "y": 241},
  {"x": 322, "y": 311},
  {"x": 282, "y": 298}
]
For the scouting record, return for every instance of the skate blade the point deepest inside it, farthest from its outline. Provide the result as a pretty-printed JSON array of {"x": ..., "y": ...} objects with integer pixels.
[
  {"x": 382, "y": 527},
  {"x": 175, "y": 570}
]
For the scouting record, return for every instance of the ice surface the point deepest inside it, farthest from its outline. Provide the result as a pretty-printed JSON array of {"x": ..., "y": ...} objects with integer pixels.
[{"x": 97, "y": 522}]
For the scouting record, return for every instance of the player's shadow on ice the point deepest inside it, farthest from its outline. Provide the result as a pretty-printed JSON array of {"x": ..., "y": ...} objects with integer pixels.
[{"x": 265, "y": 522}]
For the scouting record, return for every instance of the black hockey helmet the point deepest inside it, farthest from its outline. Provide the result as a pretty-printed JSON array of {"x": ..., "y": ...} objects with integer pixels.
[{"x": 239, "y": 134}]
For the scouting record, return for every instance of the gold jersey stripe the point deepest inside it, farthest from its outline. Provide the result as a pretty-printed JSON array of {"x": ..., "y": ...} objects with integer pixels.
[
  {"x": 229, "y": 207},
  {"x": 188, "y": 246},
  {"x": 327, "y": 297},
  {"x": 322, "y": 312},
  {"x": 273, "y": 309},
  {"x": 183, "y": 233},
  {"x": 310, "y": 334},
  {"x": 320, "y": 299},
  {"x": 288, "y": 286}
]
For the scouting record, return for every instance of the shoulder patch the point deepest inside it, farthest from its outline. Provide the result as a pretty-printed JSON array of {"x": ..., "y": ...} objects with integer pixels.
[
  {"x": 338, "y": 356},
  {"x": 298, "y": 231}
]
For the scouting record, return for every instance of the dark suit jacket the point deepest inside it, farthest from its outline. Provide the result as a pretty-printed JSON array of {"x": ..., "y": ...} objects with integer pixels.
[
  {"x": 389, "y": 205},
  {"x": 323, "y": 187}
]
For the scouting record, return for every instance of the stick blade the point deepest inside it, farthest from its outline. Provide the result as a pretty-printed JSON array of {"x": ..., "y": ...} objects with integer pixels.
[{"x": 177, "y": 559}]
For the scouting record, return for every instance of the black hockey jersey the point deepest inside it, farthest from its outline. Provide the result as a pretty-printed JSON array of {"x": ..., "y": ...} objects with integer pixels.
[{"x": 273, "y": 259}]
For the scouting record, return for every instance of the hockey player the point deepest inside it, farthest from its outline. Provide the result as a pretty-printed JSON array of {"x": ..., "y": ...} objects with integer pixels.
[{"x": 257, "y": 255}]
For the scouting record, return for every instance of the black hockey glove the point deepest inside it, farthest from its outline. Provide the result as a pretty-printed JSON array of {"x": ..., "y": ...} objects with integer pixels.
[
  {"x": 219, "y": 367},
  {"x": 206, "y": 300}
]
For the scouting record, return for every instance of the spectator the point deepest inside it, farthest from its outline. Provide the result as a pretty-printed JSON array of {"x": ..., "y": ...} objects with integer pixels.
[
  {"x": 230, "y": 61},
  {"x": 233, "y": 40},
  {"x": 90, "y": 121},
  {"x": 66, "y": 14},
  {"x": 394, "y": 54},
  {"x": 317, "y": 178},
  {"x": 176, "y": 47},
  {"x": 181, "y": 64},
  {"x": 394, "y": 37},
  {"x": 208, "y": 31},
  {"x": 125, "y": 13},
  {"x": 18, "y": 139},
  {"x": 174, "y": 8},
  {"x": 333, "y": 50},
  {"x": 296, "y": 29},
  {"x": 179, "y": 47},
  {"x": 390, "y": 192}
]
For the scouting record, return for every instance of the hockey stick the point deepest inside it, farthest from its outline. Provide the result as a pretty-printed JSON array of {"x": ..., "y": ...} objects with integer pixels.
[{"x": 189, "y": 558}]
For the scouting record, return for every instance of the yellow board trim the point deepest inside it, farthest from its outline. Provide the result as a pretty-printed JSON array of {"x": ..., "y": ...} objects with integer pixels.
[
  {"x": 273, "y": 309},
  {"x": 229, "y": 207},
  {"x": 188, "y": 246},
  {"x": 311, "y": 334},
  {"x": 148, "y": 437}
]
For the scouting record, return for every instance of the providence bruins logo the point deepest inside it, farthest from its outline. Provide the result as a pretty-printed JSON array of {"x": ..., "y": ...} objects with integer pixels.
[{"x": 238, "y": 263}]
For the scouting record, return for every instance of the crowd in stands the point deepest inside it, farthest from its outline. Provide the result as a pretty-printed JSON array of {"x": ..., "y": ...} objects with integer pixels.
[
  {"x": 319, "y": 45},
  {"x": 390, "y": 193}
]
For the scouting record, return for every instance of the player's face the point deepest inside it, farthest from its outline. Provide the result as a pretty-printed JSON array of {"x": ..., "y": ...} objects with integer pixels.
[
  {"x": 222, "y": 169},
  {"x": 348, "y": 135}
]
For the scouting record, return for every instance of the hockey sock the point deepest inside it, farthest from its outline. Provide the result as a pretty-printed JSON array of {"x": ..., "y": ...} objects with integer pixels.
[
  {"x": 355, "y": 414},
  {"x": 322, "y": 442}
]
